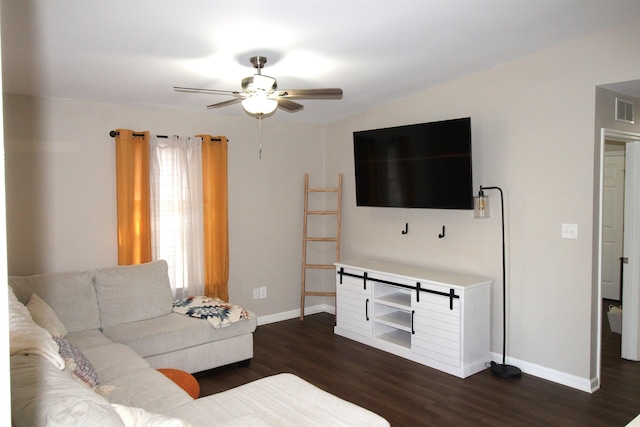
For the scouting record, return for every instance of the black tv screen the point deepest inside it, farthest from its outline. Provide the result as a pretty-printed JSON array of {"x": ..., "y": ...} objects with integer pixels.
[{"x": 425, "y": 165}]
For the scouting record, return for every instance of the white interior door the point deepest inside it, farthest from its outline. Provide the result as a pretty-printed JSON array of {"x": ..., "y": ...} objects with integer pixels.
[
  {"x": 612, "y": 223},
  {"x": 631, "y": 289}
]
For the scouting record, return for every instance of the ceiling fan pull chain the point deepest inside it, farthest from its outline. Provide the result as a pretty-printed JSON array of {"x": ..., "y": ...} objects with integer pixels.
[{"x": 260, "y": 130}]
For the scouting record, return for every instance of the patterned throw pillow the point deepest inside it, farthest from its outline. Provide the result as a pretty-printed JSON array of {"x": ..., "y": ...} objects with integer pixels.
[{"x": 82, "y": 368}]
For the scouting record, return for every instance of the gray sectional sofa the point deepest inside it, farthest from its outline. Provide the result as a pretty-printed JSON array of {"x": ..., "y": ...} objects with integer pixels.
[
  {"x": 113, "y": 329},
  {"x": 133, "y": 305}
]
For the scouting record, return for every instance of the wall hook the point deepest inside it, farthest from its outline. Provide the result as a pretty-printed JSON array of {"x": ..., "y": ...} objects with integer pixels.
[
  {"x": 442, "y": 234},
  {"x": 406, "y": 228}
]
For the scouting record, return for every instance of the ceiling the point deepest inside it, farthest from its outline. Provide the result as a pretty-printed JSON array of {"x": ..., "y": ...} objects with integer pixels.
[{"x": 134, "y": 52}]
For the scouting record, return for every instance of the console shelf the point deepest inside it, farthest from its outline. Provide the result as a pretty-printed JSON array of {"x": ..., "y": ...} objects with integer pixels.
[
  {"x": 398, "y": 300},
  {"x": 433, "y": 317},
  {"x": 399, "y": 338},
  {"x": 396, "y": 319}
]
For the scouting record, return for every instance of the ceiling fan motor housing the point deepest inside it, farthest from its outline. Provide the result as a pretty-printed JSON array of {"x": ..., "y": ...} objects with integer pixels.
[{"x": 258, "y": 62}]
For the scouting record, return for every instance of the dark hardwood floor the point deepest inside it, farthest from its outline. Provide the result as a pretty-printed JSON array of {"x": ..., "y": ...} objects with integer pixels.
[{"x": 409, "y": 394}]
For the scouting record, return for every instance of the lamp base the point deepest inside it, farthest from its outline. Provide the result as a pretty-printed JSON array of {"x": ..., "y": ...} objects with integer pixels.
[{"x": 505, "y": 371}]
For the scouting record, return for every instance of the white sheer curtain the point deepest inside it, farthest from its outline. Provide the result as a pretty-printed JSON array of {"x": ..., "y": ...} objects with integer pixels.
[{"x": 176, "y": 210}]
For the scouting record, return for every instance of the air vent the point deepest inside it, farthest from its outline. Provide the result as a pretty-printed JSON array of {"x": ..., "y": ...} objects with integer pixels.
[{"x": 624, "y": 111}]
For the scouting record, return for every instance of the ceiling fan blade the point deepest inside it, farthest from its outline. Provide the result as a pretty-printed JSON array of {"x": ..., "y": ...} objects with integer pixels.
[
  {"x": 326, "y": 93},
  {"x": 224, "y": 103},
  {"x": 289, "y": 106},
  {"x": 211, "y": 91}
]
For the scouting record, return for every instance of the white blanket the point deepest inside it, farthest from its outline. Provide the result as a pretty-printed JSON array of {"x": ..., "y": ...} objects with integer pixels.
[{"x": 26, "y": 337}]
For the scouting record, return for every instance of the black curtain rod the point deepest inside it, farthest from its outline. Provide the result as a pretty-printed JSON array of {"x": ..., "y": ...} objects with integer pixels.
[{"x": 115, "y": 133}]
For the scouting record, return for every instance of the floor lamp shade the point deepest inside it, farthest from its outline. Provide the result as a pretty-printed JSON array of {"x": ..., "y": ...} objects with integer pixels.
[
  {"x": 481, "y": 206},
  {"x": 481, "y": 210}
]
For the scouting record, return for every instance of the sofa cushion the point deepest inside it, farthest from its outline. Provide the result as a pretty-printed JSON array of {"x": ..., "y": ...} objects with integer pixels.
[
  {"x": 148, "y": 389},
  {"x": 134, "y": 382},
  {"x": 133, "y": 292},
  {"x": 70, "y": 294},
  {"x": 112, "y": 361},
  {"x": 42, "y": 395},
  {"x": 88, "y": 339},
  {"x": 44, "y": 316},
  {"x": 174, "y": 332}
]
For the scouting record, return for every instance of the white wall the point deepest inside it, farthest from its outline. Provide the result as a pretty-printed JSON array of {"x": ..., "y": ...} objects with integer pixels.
[
  {"x": 61, "y": 190},
  {"x": 533, "y": 135}
]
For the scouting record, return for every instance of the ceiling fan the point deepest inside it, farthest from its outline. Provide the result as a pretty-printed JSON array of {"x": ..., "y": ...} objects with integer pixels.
[{"x": 260, "y": 94}]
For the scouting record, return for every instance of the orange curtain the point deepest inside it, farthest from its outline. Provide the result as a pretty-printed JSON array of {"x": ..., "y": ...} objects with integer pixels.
[
  {"x": 216, "y": 223},
  {"x": 132, "y": 192}
]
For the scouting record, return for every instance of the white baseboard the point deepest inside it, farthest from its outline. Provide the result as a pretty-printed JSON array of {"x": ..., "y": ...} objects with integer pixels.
[
  {"x": 563, "y": 378},
  {"x": 294, "y": 314}
]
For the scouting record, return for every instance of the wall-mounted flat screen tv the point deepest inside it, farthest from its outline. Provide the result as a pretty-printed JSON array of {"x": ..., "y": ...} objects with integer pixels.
[{"x": 425, "y": 165}]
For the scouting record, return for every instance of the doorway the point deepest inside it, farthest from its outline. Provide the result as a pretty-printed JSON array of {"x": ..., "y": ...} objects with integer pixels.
[{"x": 631, "y": 241}]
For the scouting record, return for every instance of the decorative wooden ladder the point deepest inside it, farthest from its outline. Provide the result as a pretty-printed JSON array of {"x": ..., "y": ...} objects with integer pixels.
[{"x": 306, "y": 238}]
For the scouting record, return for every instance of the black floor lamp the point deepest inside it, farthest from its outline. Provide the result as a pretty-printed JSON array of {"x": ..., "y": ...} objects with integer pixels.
[{"x": 480, "y": 211}]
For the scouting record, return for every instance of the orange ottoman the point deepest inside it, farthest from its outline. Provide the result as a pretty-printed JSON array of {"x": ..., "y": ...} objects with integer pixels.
[{"x": 184, "y": 379}]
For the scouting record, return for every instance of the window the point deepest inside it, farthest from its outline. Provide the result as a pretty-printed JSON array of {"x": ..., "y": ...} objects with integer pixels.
[{"x": 176, "y": 210}]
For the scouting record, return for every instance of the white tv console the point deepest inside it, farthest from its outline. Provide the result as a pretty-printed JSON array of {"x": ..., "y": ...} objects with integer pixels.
[{"x": 437, "y": 318}]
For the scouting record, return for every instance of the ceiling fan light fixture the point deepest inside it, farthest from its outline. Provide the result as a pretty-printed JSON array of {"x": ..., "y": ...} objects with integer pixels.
[{"x": 259, "y": 104}]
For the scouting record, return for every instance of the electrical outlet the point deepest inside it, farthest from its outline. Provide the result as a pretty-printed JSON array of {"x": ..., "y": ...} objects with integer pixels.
[
  {"x": 569, "y": 231},
  {"x": 260, "y": 293}
]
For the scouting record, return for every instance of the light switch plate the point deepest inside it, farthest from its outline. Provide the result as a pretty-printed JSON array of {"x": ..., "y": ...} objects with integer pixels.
[{"x": 569, "y": 231}]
